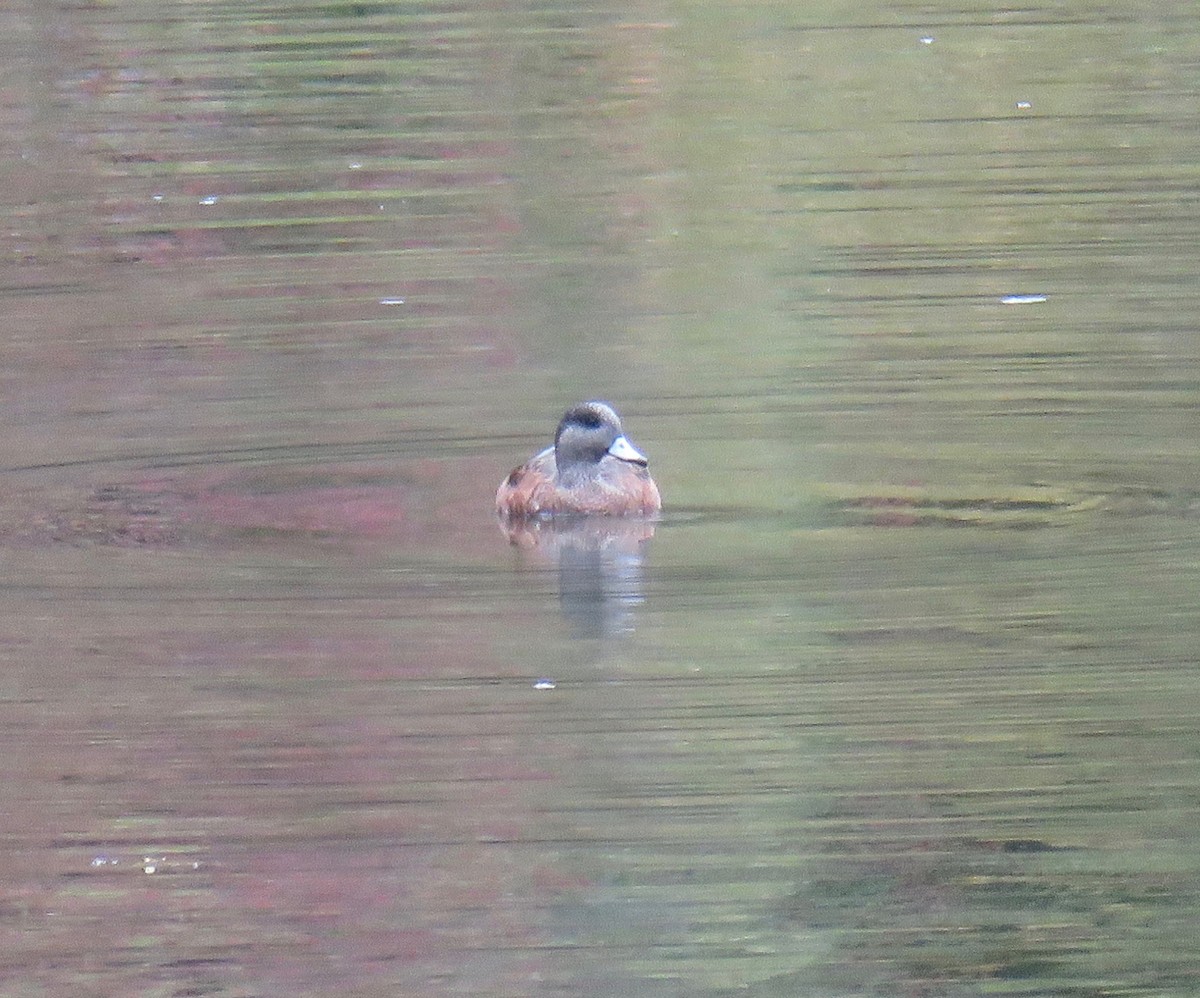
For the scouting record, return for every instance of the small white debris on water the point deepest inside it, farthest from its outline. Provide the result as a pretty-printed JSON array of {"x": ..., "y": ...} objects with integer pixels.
[
  {"x": 545, "y": 684},
  {"x": 1023, "y": 105},
  {"x": 1022, "y": 299}
]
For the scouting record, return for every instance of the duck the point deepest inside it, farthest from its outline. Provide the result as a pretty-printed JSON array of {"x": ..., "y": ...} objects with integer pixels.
[{"x": 591, "y": 470}]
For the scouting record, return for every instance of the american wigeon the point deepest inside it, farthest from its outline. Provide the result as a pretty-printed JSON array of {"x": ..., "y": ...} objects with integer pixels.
[{"x": 592, "y": 470}]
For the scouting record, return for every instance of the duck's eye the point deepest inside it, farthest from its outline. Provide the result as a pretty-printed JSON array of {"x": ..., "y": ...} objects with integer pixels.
[{"x": 589, "y": 421}]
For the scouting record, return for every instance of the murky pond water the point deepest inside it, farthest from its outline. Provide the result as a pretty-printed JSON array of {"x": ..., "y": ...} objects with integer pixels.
[{"x": 897, "y": 698}]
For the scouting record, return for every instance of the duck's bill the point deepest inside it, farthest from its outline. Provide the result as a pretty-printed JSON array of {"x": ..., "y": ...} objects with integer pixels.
[{"x": 623, "y": 449}]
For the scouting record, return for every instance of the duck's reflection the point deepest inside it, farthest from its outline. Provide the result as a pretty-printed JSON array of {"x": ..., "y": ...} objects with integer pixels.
[{"x": 599, "y": 562}]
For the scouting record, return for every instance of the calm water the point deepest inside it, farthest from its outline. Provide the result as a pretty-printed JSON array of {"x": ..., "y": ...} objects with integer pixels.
[{"x": 898, "y": 700}]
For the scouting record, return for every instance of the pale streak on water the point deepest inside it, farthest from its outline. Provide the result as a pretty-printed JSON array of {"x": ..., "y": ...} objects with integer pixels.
[{"x": 900, "y": 697}]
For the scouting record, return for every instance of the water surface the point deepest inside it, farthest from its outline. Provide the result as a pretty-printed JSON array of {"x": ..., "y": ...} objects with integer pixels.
[{"x": 898, "y": 699}]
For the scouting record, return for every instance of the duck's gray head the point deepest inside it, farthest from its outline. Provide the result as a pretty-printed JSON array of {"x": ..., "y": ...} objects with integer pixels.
[{"x": 588, "y": 433}]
